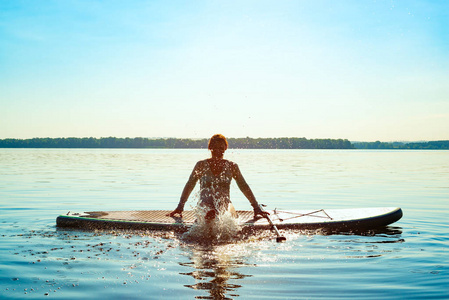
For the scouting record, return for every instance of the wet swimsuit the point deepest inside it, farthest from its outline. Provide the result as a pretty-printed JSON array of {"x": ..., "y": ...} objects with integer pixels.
[{"x": 215, "y": 188}]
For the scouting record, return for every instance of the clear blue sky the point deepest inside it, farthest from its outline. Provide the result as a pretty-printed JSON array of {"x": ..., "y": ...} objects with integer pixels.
[{"x": 361, "y": 70}]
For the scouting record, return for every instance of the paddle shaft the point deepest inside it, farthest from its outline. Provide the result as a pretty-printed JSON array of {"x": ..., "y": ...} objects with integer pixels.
[
  {"x": 274, "y": 226},
  {"x": 279, "y": 238}
]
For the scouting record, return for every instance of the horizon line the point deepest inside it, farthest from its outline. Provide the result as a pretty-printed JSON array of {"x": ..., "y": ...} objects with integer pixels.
[{"x": 247, "y": 137}]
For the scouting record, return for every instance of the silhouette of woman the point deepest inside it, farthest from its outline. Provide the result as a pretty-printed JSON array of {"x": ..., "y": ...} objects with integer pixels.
[{"x": 215, "y": 175}]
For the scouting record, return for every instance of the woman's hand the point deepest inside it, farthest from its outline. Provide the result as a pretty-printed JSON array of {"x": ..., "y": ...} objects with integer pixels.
[
  {"x": 173, "y": 213},
  {"x": 259, "y": 212}
]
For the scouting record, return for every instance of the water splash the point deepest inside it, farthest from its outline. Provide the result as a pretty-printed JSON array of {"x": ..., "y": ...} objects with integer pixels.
[{"x": 223, "y": 228}]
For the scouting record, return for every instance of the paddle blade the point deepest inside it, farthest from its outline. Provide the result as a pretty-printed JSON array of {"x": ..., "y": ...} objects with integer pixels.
[{"x": 280, "y": 239}]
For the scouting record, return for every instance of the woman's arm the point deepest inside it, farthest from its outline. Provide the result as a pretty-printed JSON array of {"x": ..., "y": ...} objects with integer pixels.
[
  {"x": 246, "y": 190},
  {"x": 188, "y": 188}
]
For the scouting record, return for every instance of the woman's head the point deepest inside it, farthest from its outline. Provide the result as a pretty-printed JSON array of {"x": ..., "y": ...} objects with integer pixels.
[
  {"x": 217, "y": 139},
  {"x": 218, "y": 145}
]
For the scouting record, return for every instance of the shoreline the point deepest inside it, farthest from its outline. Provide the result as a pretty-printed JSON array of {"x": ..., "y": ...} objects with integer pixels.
[{"x": 234, "y": 143}]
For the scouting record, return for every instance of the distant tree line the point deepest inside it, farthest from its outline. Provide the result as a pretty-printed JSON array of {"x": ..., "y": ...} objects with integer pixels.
[
  {"x": 289, "y": 143},
  {"x": 236, "y": 143},
  {"x": 433, "y": 145},
  {"x": 113, "y": 142}
]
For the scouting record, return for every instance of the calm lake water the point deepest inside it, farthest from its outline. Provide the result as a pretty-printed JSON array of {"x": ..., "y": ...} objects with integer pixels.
[{"x": 407, "y": 260}]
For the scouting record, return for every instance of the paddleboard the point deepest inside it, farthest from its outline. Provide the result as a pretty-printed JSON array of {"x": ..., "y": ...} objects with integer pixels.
[{"x": 352, "y": 219}]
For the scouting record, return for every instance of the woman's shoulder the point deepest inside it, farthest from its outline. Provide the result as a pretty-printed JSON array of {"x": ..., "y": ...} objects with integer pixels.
[
  {"x": 230, "y": 164},
  {"x": 201, "y": 163}
]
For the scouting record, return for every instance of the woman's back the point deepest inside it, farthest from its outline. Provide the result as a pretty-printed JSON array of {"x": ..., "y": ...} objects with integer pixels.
[{"x": 215, "y": 180}]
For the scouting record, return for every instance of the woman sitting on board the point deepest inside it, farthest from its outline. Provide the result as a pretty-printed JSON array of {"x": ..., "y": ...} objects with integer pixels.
[{"x": 215, "y": 175}]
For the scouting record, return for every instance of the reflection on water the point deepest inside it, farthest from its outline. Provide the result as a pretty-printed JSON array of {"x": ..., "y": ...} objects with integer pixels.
[
  {"x": 215, "y": 271},
  {"x": 211, "y": 247},
  {"x": 386, "y": 231}
]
